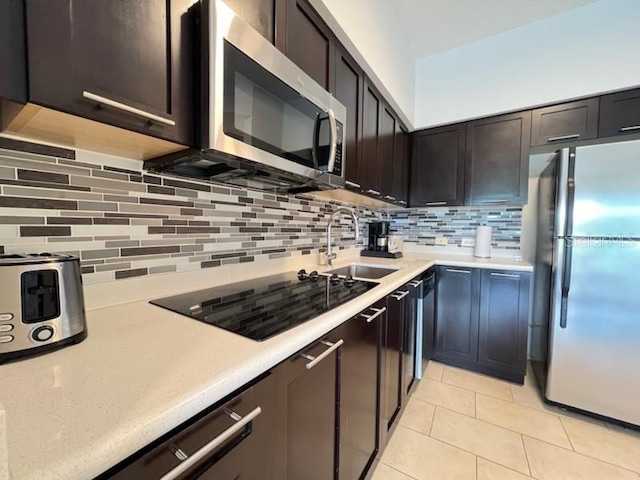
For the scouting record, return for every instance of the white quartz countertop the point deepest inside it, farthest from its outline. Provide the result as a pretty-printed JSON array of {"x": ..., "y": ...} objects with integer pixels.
[{"x": 74, "y": 413}]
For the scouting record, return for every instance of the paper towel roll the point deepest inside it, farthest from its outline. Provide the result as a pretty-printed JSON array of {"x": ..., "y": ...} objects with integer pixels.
[{"x": 483, "y": 242}]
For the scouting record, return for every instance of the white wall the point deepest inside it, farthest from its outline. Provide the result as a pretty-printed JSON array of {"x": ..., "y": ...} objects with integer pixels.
[
  {"x": 585, "y": 51},
  {"x": 373, "y": 28}
]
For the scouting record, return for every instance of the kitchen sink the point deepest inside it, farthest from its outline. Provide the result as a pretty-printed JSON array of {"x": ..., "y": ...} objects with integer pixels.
[{"x": 363, "y": 271}]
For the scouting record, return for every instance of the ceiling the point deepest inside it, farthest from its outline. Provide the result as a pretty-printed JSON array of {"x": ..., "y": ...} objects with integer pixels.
[{"x": 433, "y": 26}]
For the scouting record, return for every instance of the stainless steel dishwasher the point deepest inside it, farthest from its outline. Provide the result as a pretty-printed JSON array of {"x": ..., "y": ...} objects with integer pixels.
[{"x": 425, "y": 329}]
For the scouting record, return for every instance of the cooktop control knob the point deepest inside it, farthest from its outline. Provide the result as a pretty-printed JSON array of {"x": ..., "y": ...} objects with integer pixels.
[
  {"x": 302, "y": 274},
  {"x": 42, "y": 334},
  {"x": 349, "y": 281},
  {"x": 335, "y": 279},
  {"x": 314, "y": 276}
]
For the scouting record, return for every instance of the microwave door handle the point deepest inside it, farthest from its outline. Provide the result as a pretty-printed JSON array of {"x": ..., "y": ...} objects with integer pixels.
[
  {"x": 316, "y": 140},
  {"x": 334, "y": 141}
]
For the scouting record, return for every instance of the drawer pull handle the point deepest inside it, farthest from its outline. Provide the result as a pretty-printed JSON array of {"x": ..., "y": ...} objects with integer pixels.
[
  {"x": 127, "y": 108},
  {"x": 316, "y": 360},
  {"x": 389, "y": 197},
  {"x": 416, "y": 283},
  {"x": 434, "y": 204},
  {"x": 373, "y": 192},
  {"x": 401, "y": 295},
  {"x": 626, "y": 129},
  {"x": 352, "y": 184},
  {"x": 402, "y": 202},
  {"x": 564, "y": 137},
  {"x": 454, "y": 270},
  {"x": 507, "y": 275},
  {"x": 213, "y": 444},
  {"x": 495, "y": 201},
  {"x": 371, "y": 318}
]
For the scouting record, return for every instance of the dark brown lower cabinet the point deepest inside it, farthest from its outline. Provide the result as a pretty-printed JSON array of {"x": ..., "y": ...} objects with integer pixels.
[
  {"x": 392, "y": 341},
  {"x": 504, "y": 308},
  {"x": 360, "y": 391},
  {"x": 481, "y": 320},
  {"x": 306, "y": 424},
  {"x": 457, "y": 316}
]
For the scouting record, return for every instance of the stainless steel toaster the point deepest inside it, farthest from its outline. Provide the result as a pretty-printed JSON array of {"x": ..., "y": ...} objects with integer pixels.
[{"x": 41, "y": 303}]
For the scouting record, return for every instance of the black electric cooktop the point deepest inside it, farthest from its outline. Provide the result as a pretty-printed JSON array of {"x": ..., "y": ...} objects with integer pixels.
[{"x": 261, "y": 308}]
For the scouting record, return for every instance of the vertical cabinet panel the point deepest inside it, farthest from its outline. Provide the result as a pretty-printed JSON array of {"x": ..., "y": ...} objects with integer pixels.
[
  {"x": 457, "y": 315},
  {"x": 348, "y": 91},
  {"x": 139, "y": 54},
  {"x": 400, "y": 185},
  {"x": 497, "y": 160},
  {"x": 386, "y": 150},
  {"x": 307, "y": 424},
  {"x": 504, "y": 300},
  {"x": 568, "y": 122},
  {"x": 368, "y": 166},
  {"x": 437, "y": 167},
  {"x": 393, "y": 335},
  {"x": 360, "y": 392},
  {"x": 308, "y": 42}
]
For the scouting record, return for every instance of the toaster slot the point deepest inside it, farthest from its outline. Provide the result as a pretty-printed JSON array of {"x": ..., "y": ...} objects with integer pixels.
[{"x": 40, "y": 296}]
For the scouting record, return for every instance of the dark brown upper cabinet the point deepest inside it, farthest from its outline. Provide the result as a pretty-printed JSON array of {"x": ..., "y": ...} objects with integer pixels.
[
  {"x": 127, "y": 64},
  {"x": 437, "y": 166},
  {"x": 400, "y": 185},
  {"x": 349, "y": 84},
  {"x": 620, "y": 113},
  {"x": 386, "y": 152},
  {"x": 497, "y": 160},
  {"x": 308, "y": 42},
  {"x": 568, "y": 122},
  {"x": 260, "y": 14},
  {"x": 368, "y": 165}
]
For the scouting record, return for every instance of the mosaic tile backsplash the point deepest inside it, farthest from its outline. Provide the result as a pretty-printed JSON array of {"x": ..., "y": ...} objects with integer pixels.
[
  {"x": 458, "y": 225},
  {"x": 123, "y": 222}
]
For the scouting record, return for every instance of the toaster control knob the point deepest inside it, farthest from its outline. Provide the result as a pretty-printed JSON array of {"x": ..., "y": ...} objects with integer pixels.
[{"x": 42, "y": 334}]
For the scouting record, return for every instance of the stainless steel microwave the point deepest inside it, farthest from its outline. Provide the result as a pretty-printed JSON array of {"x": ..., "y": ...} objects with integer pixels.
[{"x": 264, "y": 122}]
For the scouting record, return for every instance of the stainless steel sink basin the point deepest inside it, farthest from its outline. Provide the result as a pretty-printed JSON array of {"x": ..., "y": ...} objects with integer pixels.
[{"x": 363, "y": 271}]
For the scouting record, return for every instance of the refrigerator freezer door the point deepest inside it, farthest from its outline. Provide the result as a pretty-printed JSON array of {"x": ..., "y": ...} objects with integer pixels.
[
  {"x": 607, "y": 197},
  {"x": 593, "y": 363}
]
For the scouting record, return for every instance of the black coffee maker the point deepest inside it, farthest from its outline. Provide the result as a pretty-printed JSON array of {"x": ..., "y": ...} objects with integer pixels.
[{"x": 378, "y": 245}]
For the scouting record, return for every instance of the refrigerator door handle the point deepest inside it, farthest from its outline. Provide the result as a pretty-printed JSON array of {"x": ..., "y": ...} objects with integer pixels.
[
  {"x": 566, "y": 282},
  {"x": 571, "y": 192}
]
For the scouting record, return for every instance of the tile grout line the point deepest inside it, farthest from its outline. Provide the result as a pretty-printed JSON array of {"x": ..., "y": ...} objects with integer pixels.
[
  {"x": 526, "y": 455},
  {"x": 399, "y": 471},
  {"x": 567, "y": 434},
  {"x": 433, "y": 419},
  {"x": 476, "y": 467},
  {"x": 472, "y": 453},
  {"x": 583, "y": 455}
]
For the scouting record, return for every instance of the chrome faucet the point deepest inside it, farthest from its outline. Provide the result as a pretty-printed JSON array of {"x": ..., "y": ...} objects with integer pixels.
[{"x": 331, "y": 255}]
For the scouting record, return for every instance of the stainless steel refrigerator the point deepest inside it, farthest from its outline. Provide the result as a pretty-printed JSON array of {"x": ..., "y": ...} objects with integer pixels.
[{"x": 587, "y": 286}]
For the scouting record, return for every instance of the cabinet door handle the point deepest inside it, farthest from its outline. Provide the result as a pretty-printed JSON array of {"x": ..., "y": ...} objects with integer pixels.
[
  {"x": 507, "y": 275},
  {"x": 402, "y": 202},
  {"x": 495, "y": 201},
  {"x": 316, "y": 360},
  {"x": 454, "y": 270},
  {"x": 209, "y": 447},
  {"x": 434, "y": 204},
  {"x": 626, "y": 129},
  {"x": 373, "y": 192},
  {"x": 127, "y": 108},
  {"x": 401, "y": 295},
  {"x": 352, "y": 184},
  {"x": 389, "y": 197},
  {"x": 371, "y": 318},
  {"x": 564, "y": 137},
  {"x": 415, "y": 283}
]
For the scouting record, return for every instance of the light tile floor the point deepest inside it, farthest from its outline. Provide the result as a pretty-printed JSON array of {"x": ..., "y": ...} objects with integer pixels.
[{"x": 460, "y": 425}]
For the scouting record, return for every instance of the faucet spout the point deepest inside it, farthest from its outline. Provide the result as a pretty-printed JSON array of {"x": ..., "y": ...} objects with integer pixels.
[{"x": 330, "y": 254}]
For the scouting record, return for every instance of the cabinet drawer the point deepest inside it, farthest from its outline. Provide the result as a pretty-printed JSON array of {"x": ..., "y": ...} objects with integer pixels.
[
  {"x": 568, "y": 122},
  {"x": 620, "y": 113}
]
